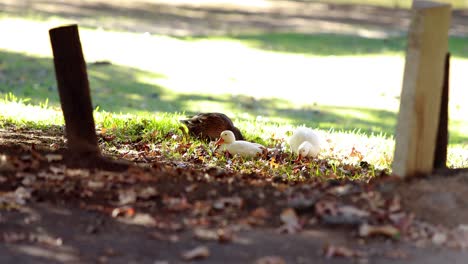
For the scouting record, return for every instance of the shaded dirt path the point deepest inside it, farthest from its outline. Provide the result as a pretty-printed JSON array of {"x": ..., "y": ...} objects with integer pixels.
[
  {"x": 190, "y": 18},
  {"x": 69, "y": 235},
  {"x": 157, "y": 211}
]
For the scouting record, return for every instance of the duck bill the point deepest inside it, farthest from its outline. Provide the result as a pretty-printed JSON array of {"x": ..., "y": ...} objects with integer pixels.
[{"x": 219, "y": 142}]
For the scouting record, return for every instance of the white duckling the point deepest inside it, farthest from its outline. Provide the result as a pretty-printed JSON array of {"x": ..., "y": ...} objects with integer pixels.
[
  {"x": 305, "y": 143},
  {"x": 227, "y": 142}
]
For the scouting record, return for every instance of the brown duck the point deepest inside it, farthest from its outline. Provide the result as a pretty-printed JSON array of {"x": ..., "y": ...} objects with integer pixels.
[{"x": 208, "y": 126}]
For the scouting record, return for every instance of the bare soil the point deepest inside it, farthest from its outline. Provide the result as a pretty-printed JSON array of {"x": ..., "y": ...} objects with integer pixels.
[
  {"x": 156, "y": 212},
  {"x": 195, "y": 18}
]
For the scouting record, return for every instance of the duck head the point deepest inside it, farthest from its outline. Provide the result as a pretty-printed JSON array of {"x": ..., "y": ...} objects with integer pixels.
[
  {"x": 307, "y": 150},
  {"x": 226, "y": 137}
]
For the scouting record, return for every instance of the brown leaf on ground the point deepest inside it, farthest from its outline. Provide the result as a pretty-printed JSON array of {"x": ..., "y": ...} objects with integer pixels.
[
  {"x": 326, "y": 207},
  {"x": 260, "y": 212},
  {"x": 126, "y": 211},
  {"x": 397, "y": 254},
  {"x": 290, "y": 221},
  {"x": 224, "y": 202},
  {"x": 6, "y": 163},
  {"x": 147, "y": 193},
  {"x": 173, "y": 238},
  {"x": 176, "y": 204},
  {"x": 127, "y": 197},
  {"x": 53, "y": 157},
  {"x": 341, "y": 251},
  {"x": 220, "y": 235},
  {"x": 366, "y": 230},
  {"x": 200, "y": 252},
  {"x": 357, "y": 154}
]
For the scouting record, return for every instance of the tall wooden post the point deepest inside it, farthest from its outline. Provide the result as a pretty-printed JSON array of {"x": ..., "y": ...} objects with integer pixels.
[
  {"x": 418, "y": 118},
  {"x": 73, "y": 87},
  {"x": 75, "y": 99}
]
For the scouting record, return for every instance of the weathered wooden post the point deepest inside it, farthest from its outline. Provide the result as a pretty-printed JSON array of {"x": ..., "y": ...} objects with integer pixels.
[
  {"x": 75, "y": 99},
  {"x": 420, "y": 104},
  {"x": 73, "y": 87}
]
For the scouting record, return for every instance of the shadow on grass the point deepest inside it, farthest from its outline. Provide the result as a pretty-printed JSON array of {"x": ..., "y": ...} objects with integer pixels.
[
  {"x": 218, "y": 19},
  {"x": 120, "y": 89},
  {"x": 333, "y": 44}
]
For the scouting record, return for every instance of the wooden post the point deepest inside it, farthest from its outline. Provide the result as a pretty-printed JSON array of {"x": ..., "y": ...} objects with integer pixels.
[
  {"x": 440, "y": 154},
  {"x": 73, "y": 87},
  {"x": 421, "y": 93},
  {"x": 75, "y": 99}
]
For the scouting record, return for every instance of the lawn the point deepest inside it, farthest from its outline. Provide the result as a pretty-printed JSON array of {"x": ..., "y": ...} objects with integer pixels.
[{"x": 346, "y": 86}]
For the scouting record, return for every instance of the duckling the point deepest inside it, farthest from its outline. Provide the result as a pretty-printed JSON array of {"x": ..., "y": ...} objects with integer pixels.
[
  {"x": 208, "y": 126},
  {"x": 305, "y": 143},
  {"x": 228, "y": 142}
]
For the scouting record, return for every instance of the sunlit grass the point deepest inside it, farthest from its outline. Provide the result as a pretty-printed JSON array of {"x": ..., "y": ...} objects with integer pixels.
[
  {"x": 339, "y": 147},
  {"x": 268, "y": 90}
]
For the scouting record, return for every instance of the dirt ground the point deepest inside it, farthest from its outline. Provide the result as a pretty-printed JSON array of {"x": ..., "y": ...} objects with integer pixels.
[
  {"x": 156, "y": 213},
  {"x": 195, "y": 18}
]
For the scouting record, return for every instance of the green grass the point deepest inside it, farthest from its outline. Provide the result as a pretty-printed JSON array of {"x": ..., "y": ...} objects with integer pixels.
[
  {"x": 352, "y": 102},
  {"x": 331, "y": 44}
]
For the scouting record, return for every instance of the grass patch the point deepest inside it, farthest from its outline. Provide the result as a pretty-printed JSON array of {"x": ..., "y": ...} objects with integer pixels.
[
  {"x": 268, "y": 83},
  {"x": 332, "y": 44}
]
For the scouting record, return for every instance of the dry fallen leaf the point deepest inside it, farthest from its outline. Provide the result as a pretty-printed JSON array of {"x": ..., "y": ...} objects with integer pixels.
[
  {"x": 95, "y": 185},
  {"x": 22, "y": 195},
  {"x": 325, "y": 207},
  {"x": 356, "y": 153},
  {"x": 366, "y": 230},
  {"x": 147, "y": 193},
  {"x": 5, "y": 163},
  {"x": 127, "y": 196},
  {"x": 176, "y": 203},
  {"x": 123, "y": 211},
  {"x": 53, "y": 157},
  {"x": 200, "y": 252},
  {"x": 439, "y": 238},
  {"x": 205, "y": 234},
  {"x": 341, "y": 251},
  {"x": 347, "y": 214},
  {"x": 140, "y": 219},
  {"x": 224, "y": 202},
  {"x": 220, "y": 235},
  {"x": 164, "y": 237},
  {"x": 260, "y": 212},
  {"x": 290, "y": 221},
  {"x": 396, "y": 254},
  {"x": 82, "y": 173}
]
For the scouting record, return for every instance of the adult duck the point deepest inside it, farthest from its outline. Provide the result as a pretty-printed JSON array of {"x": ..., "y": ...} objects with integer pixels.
[
  {"x": 228, "y": 143},
  {"x": 305, "y": 143},
  {"x": 208, "y": 126}
]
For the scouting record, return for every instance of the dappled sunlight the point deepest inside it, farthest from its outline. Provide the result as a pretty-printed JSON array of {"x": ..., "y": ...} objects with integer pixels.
[
  {"x": 30, "y": 113},
  {"x": 226, "y": 66},
  {"x": 63, "y": 254},
  {"x": 148, "y": 74}
]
